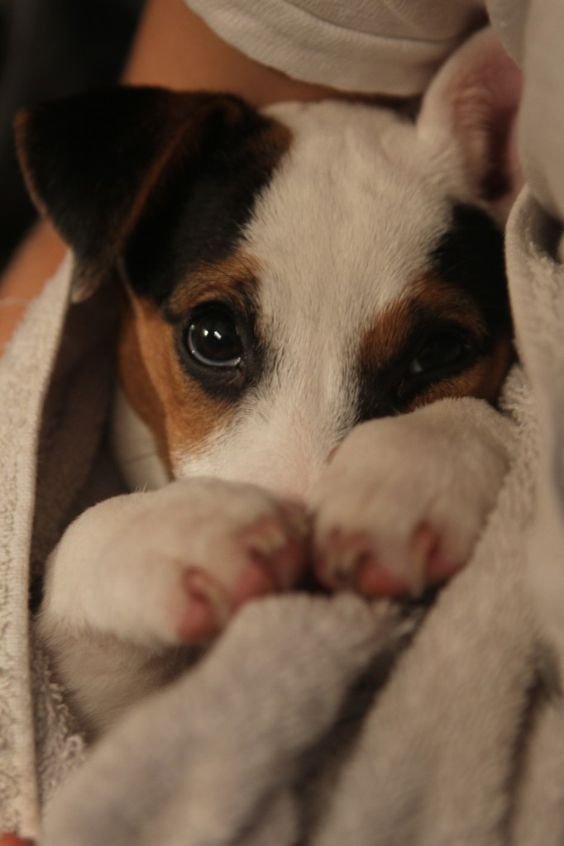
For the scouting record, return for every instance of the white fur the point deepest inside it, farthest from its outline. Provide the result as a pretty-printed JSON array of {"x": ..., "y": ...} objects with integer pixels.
[
  {"x": 135, "y": 447},
  {"x": 335, "y": 245}
]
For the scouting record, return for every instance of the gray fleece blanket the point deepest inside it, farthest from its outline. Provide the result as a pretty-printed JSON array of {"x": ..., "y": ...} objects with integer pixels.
[{"x": 313, "y": 720}]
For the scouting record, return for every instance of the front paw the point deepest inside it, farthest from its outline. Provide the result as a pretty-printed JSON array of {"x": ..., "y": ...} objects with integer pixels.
[
  {"x": 172, "y": 566},
  {"x": 243, "y": 543},
  {"x": 404, "y": 500}
]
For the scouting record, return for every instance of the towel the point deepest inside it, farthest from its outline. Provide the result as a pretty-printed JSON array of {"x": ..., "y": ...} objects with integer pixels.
[{"x": 313, "y": 720}]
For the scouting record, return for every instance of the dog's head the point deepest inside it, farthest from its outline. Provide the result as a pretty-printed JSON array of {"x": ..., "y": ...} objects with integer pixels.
[{"x": 287, "y": 273}]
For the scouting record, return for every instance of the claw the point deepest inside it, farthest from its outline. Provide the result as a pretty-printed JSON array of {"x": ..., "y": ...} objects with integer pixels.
[{"x": 350, "y": 561}]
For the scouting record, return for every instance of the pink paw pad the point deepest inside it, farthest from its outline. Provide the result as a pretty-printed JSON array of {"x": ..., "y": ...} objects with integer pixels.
[
  {"x": 351, "y": 561},
  {"x": 200, "y": 619},
  {"x": 278, "y": 545},
  {"x": 371, "y": 580},
  {"x": 273, "y": 553},
  {"x": 254, "y": 581},
  {"x": 437, "y": 567}
]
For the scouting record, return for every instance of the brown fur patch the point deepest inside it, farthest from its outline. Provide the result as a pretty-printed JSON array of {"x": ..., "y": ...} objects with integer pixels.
[
  {"x": 387, "y": 335},
  {"x": 387, "y": 338},
  {"x": 232, "y": 279},
  {"x": 181, "y": 415}
]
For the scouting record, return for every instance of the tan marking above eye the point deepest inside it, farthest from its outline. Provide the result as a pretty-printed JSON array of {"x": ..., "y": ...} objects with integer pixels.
[
  {"x": 447, "y": 302},
  {"x": 391, "y": 329},
  {"x": 231, "y": 279}
]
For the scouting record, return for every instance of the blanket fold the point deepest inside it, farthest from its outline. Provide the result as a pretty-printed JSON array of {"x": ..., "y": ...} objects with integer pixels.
[
  {"x": 282, "y": 699},
  {"x": 313, "y": 720}
]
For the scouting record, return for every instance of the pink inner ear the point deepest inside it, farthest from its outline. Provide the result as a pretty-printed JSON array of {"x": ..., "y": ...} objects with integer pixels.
[{"x": 472, "y": 103}]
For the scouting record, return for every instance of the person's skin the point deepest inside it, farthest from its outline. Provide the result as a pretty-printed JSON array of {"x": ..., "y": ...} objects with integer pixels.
[{"x": 173, "y": 48}]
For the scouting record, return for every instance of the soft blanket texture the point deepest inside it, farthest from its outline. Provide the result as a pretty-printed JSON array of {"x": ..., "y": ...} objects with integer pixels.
[{"x": 313, "y": 720}]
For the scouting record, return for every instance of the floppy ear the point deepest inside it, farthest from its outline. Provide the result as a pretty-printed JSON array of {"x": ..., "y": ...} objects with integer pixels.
[
  {"x": 468, "y": 117},
  {"x": 95, "y": 162}
]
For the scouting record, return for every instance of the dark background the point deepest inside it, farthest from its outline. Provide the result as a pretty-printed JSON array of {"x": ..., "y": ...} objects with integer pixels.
[{"x": 51, "y": 48}]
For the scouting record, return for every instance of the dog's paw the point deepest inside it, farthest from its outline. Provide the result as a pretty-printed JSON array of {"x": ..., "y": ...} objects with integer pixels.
[
  {"x": 242, "y": 544},
  {"x": 172, "y": 566},
  {"x": 404, "y": 499}
]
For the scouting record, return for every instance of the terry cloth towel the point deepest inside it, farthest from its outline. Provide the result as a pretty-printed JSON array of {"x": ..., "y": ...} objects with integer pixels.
[{"x": 314, "y": 720}]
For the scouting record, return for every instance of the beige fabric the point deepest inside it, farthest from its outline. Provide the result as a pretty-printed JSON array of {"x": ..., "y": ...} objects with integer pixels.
[
  {"x": 542, "y": 114},
  {"x": 55, "y": 384},
  {"x": 25, "y": 371}
]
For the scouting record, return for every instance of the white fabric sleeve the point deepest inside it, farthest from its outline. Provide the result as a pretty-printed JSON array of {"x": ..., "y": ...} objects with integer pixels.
[
  {"x": 376, "y": 46},
  {"x": 531, "y": 31}
]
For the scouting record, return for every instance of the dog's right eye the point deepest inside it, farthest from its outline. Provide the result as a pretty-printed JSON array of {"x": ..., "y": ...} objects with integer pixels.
[
  {"x": 217, "y": 346},
  {"x": 213, "y": 339}
]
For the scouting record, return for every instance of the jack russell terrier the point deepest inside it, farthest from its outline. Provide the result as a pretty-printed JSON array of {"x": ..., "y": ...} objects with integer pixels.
[{"x": 315, "y": 330}]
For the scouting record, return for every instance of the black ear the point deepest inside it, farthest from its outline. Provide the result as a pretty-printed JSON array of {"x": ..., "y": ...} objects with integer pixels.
[{"x": 94, "y": 163}]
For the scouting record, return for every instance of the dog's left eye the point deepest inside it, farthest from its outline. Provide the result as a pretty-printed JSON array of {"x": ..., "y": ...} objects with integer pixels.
[
  {"x": 440, "y": 353},
  {"x": 212, "y": 338}
]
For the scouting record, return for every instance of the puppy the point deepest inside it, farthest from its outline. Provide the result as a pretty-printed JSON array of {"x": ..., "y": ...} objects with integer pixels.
[{"x": 315, "y": 327}]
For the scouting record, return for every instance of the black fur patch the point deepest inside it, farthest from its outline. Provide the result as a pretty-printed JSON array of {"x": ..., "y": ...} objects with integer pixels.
[
  {"x": 148, "y": 181},
  {"x": 85, "y": 157},
  {"x": 198, "y": 213},
  {"x": 470, "y": 256}
]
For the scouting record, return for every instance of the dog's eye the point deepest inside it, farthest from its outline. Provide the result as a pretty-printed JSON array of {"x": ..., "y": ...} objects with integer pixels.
[
  {"x": 443, "y": 351},
  {"x": 212, "y": 338}
]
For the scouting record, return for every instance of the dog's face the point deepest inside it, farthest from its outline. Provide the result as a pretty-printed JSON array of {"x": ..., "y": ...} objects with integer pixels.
[
  {"x": 287, "y": 274},
  {"x": 356, "y": 289}
]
